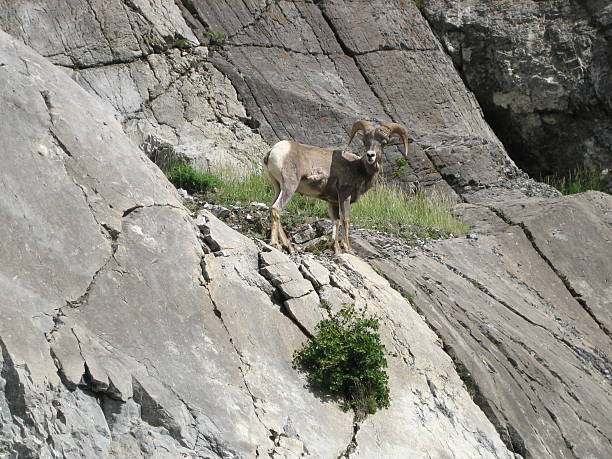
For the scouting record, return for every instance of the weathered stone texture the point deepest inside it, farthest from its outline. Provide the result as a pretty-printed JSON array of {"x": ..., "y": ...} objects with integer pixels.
[
  {"x": 130, "y": 329},
  {"x": 532, "y": 348},
  {"x": 144, "y": 61},
  {"x": 299, "y": 69},
  {"x": 541, "y": 72},
  {"x": 307, "y": 71},
  {"x": 553, "y": 227}
]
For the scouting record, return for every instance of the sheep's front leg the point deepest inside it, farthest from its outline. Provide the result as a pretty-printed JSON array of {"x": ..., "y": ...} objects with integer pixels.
[
  {"x": 345, "y": 209},
  {"x": 335, "y": 218}
]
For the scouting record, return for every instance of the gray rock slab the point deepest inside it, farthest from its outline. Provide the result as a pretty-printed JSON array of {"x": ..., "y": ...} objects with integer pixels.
[
  {"x": 295, "y": 288},
  {"x": 141, "y": 58},
  {"x": 315, "y": 272},
  {"x": 86, "y": 33},
  {"x": 259, "y": 330},
  {"x": 436, "y": 414},
  {"x": 306, "y": 310},
  {"x": 572, "y": 236},
  {"x": 309, "y": 57},
  {"x": 534, "y": 360}
]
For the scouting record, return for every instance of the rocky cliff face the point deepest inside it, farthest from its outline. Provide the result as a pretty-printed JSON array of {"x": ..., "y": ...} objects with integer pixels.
[
  {"x": 541, "y": 72},
  {"x": 142, "y": 59},
  {"x": 129, "y": 331},
  {"x": 301, "y": 70},
  {"x": 133, "y": 328}
]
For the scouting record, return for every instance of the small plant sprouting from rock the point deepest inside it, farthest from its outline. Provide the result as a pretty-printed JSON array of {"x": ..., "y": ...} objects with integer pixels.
[
  {"x": 217, "y": 39},
  {"x": 180, "y": 43},
  {"x": 578, "y": 180},
  {"x": 183, "y": 176},
  {"x": 402, "y": 166},
  {"x": 347, "y": 358},
  {"x": 409, "y": 297},
  {"x": 467, "y": 379}
]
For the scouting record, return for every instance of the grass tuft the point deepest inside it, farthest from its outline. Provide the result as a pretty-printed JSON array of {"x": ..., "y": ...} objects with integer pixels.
[
  {"x": 236, "y": 190},
  {"x": 216, "y": 38},
  {"x": 390, "y": 209},
  {"x": 577, "y": 181},
  {"x": 180, "y": 43}
]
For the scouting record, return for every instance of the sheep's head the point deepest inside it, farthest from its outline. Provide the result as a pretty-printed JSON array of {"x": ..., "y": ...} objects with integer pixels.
[{"x": 375, "y": 139}]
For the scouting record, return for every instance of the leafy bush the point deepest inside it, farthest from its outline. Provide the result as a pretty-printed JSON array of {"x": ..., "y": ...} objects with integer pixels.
[
  {"x": 347, "y": 358},
  {"x": 185, "y": 177}
]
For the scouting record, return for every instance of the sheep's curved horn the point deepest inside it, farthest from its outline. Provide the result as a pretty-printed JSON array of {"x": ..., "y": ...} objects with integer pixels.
[
  {"x": 395, "y": 128},
  {"x": 361, "y": 125}
]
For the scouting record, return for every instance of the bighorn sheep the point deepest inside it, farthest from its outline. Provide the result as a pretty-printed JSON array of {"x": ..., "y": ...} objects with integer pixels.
[{"x": 335, "y": 176}]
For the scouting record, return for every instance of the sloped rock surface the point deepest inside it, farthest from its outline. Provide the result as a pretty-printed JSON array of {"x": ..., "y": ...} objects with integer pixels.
[
  {"x": 143, "y": 59},
  {"x": 416, "y": 418},
  {"x": 541, "y": 72},
  {"x": 534, "y": 351},
  {"x": 131, "y": 330}
]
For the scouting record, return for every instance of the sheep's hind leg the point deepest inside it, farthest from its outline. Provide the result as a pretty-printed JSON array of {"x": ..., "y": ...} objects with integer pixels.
[
  {"x": 275, "y": 224},
  {"x": 280, "y": 203},
  {"x": 335, "y": 218}
]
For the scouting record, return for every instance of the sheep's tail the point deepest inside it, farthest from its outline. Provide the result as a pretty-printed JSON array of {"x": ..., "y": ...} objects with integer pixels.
[{"x": 266, "y": 158}]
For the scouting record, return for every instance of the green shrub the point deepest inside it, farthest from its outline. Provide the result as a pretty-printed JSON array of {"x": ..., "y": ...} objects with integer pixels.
[
  {"x": 347, "y": 358},
  {"x": 185, "y": 177},
  {"x": 401, "y": 161}
]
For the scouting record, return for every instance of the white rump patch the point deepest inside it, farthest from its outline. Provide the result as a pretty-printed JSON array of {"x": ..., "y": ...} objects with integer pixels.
[{"x": 277, "y": 156}]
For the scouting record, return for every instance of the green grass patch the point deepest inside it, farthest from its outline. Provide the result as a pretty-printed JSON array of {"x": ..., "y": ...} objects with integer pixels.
[
  {"x": 347, "y": 358},
  {"x": 385, "y": 208},
  {"x": 389, "y": 208},
  {"x": 180, "y": 43},
  {"x": 577, "y": 181},
  {"x": 183, "y": 176},
  {"x": 243, "y": 190}
]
